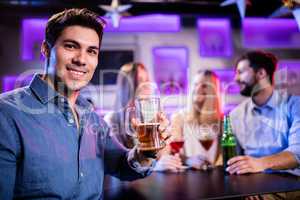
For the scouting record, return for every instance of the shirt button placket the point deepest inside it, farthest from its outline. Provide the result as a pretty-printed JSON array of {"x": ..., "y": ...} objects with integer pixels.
[{"x": 81, "y": 176}]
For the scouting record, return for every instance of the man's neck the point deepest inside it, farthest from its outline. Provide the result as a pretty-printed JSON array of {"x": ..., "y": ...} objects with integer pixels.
[
  {"x": 72, "y": 98},
  {"x": 260, "y": 98},
  {"x": 70, "y": 95}
]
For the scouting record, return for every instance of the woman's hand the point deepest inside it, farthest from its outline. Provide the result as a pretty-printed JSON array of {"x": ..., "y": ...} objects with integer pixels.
[
  {"x": 169, "y": 163},
  {"x": 198, "y": 162}
]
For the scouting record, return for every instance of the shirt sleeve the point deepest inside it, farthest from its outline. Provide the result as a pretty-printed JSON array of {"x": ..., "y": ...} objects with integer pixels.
[
  {"x": 135, "y": 162},
  {"x": 294, "y": 130},
  {"x": 122, "y": 163},
  {"x": 9, "y": 146}
]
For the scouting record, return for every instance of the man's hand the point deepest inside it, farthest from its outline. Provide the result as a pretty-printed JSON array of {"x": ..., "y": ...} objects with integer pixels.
[
  {"x": 163, "y": 121},
  {"x": 244, "y": 164},
  {"x": 163, "y": 135}
]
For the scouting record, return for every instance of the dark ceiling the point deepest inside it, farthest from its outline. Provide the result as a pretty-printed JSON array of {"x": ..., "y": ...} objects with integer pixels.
[{"x": 188, "y": 9}]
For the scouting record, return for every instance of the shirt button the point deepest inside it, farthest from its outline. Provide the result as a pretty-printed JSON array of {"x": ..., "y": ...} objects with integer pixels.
[
  {"x": 71, "y": 121},
  {"x": 81, "y": 174}
]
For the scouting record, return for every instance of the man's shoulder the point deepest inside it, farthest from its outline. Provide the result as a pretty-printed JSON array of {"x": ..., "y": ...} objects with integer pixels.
[
  {"x": 294, "y": 99},
  {"x": 12, "y": 99},
  {"x": 240, "y": 108}
]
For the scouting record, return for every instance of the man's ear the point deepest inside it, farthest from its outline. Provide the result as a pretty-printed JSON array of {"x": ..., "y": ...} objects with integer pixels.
[
  {"x": 261, "y": 74},
  {"x": 45, "y": 49}
]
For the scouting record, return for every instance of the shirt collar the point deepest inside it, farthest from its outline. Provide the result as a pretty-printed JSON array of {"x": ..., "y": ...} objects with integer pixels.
[
  {"x": 45, "y": 93},
  {"x": 271, "y": 103},
  {"x": 42, "y": 90},
  {"x": 83, "y": 105}
]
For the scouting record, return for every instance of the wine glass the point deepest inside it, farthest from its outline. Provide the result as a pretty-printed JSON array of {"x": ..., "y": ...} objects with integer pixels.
[
  {"x": 176, "y": 145},
  {"x": 206, "y": 137}
]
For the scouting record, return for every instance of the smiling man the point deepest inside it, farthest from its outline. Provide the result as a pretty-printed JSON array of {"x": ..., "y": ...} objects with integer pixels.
[
  {"x": 267, "y": 124},
  {"x": 52, "y": 144}
]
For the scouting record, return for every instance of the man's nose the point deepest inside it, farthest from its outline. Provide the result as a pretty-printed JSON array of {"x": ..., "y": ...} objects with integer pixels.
[
  {"x": 236, "y": 77},
  {"x": 79, "y": 58}
]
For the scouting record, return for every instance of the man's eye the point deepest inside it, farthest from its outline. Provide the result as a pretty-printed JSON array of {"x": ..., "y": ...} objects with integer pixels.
[
  {"x": 93, "y": 52},
  {"x": 70, "y": 46}
]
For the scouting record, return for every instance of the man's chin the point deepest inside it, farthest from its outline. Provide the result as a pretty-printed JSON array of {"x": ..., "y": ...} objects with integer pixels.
[
  {"x": 246, "y": 92},
  {"x": 75, "y": 86}
]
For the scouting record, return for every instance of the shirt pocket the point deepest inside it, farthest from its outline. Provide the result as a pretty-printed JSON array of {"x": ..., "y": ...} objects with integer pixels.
[{"x": 275, "y": 132}]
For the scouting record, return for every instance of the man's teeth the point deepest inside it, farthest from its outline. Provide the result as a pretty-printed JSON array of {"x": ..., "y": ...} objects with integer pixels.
[{"x": 77, "y": 72}]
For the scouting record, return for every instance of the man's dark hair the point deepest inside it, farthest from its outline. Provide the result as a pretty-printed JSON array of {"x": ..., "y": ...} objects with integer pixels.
[
  {"x": 261, "y": 60},
  {"x": 82, "y": 17}
]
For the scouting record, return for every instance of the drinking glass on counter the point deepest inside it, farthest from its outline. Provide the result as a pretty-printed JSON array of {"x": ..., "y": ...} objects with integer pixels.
[{"x": 206, "y": 136}]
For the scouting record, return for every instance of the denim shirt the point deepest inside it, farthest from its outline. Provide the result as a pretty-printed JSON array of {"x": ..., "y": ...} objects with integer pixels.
[
  {"x": 269, "y": 129},
  {"x": 43, "y": 155}
]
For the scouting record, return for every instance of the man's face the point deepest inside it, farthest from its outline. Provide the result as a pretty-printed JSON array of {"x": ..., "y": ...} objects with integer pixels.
[
  {"x": 74, "y": 57},
  {"x": 245, "y": 77}
]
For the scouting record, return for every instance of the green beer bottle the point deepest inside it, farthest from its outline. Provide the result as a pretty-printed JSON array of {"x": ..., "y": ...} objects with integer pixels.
[{"x": 228, "y": 142}]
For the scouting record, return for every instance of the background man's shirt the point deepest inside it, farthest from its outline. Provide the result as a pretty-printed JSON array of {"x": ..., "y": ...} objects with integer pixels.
[{"x": 269, "y": 129}]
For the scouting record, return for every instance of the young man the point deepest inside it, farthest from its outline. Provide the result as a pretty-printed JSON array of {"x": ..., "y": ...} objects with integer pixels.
[
  {"x": 267, "y": 125},
  {"x": 52, "y": 145}
]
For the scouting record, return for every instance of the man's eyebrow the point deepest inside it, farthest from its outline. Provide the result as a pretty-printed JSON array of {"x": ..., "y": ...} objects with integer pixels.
[
  {"x": 94, "y": 47},
  {"x": 72, "y": 41},
  {"x": 77, "y": 43}
]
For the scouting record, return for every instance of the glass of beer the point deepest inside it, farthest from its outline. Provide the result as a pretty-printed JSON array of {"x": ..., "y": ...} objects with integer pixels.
[{"x": 146, "y": 112}]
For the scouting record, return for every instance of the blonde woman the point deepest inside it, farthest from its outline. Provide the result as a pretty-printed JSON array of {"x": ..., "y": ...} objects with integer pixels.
[{"x": 202, "y": 113}]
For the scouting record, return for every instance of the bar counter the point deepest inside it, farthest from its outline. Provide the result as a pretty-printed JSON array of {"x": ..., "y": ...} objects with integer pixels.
[{"x": 192, "y": 185}]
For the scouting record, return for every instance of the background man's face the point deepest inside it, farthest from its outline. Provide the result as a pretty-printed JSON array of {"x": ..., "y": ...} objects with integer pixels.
[
  {"x": 245, "y": 77},
  {"x": 74, "y": 57}
]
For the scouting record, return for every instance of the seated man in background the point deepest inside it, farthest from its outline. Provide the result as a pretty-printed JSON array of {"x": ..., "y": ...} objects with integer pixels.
[
  {"x": 52, "y": 144},
  {"x": 266, "y": 125}
]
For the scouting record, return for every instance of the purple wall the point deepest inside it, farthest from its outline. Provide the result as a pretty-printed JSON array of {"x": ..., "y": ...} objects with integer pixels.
[
  {"x": 170, "y": 69},
  {"x": 215, "y": 38},
  {"x": 270, "y": 33}
]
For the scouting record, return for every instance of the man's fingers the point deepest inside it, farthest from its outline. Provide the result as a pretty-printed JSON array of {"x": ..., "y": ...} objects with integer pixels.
[
  {"x": 134, "y": 123},
  {"x": 164, "y": 122},
  {"x": 244, "y": 170},
  {"x": 236, "y": 159},
  {"x": 237, "y": 166}
]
